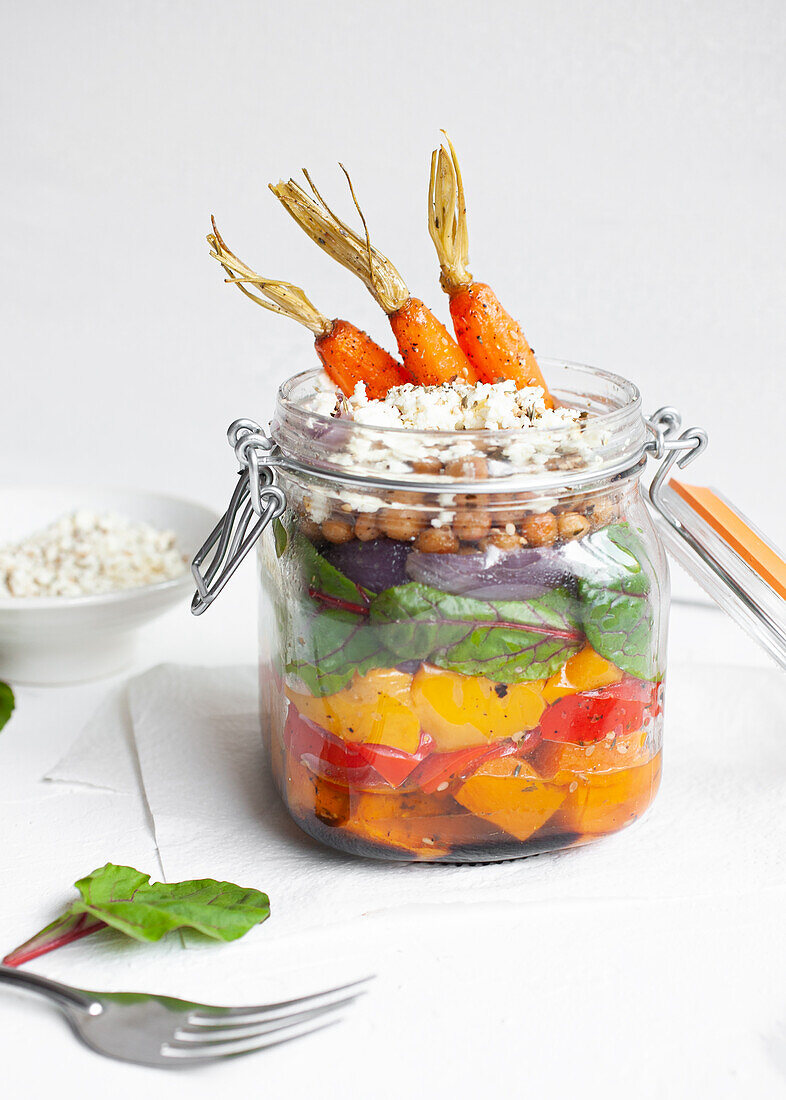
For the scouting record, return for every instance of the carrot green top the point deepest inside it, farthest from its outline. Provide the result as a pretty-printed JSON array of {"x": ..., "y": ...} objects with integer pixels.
[
  {"x": 335, "y": 237},
  {"x": 447, "y": 218},
  {"x": 279, "y": 297}
]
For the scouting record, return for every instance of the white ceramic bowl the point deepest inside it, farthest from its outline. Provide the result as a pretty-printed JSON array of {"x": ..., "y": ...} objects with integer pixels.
[{"x": 62, "y": 639}]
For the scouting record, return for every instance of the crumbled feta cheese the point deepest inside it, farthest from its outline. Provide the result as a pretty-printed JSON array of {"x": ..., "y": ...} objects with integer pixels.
[
  {"x": 540, "y": 438},
  {"x": 459, "y": 406},
  {"x": 85, "y": 553},
  {"x": 525, "y": 436},
  {"x": 317, "y": 506},
  {"x": 360, "y": 502}
]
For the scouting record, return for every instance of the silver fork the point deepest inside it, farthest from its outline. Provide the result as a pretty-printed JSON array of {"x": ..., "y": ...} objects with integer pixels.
[{"x": 164, "y": 1031}]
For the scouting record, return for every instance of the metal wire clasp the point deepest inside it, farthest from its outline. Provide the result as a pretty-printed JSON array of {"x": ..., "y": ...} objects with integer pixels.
[
  {"x": 255, "y": 495},
  {"x": 670, "y": 449}
]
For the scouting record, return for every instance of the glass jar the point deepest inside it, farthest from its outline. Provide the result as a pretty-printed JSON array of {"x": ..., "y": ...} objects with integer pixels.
[{"x": 462, "y": 634}]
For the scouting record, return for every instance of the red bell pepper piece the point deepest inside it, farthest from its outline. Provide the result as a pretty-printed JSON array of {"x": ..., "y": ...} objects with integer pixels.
[
  {"x": 351, "y": 763},
  {"x": 321, "y": 753},
  {"x": 394, "y": 765},
  {"x": 444, "y": 767},
  {"x": 589, "y": 716}
]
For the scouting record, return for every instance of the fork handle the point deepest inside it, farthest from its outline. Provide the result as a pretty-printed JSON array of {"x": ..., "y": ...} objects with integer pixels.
[{"x": 64, "y": 995}]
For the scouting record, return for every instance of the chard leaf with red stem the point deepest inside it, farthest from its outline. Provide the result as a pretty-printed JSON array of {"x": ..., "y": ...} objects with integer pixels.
[{"x": 125, "y": 899}]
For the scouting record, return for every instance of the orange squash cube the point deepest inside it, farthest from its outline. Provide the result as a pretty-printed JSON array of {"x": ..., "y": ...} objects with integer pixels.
[
  {"x": 426, "y": 826},
  {"x": 560, "y": 763},
  {"x": 605, "y": 802},
  {"x": 509, "y": 793}
]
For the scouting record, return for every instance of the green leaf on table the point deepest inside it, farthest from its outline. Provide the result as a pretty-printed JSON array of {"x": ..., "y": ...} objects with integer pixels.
[
  {"x": 125, "y": 899},
  {"x": 616, "y": 607},
  {"x": 506, "y": 640},
  {"x": 6, "y": 703}
]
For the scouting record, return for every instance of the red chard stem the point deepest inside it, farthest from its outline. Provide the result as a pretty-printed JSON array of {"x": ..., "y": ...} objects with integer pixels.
[
  {"x": 338, "y": 604},
  {"x": 66, "y": 929}
]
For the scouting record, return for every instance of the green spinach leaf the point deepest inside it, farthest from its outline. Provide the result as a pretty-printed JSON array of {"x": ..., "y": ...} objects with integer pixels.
[
  {"x": 280, "y": 537},
  {"x": 616, "y": 606},
  {"x": 506, "y": 640},
  {"x": 330, "y": 646},
  {"x": 328, "y": 634},
  {"x": 321, "y": 578}
]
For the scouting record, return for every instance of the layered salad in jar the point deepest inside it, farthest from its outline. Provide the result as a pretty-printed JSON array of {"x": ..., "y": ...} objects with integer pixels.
[{"x": 463, "y": 607}]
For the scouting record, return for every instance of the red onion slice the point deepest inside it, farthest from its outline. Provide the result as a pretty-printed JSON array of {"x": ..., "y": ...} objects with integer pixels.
[
  {"x": 492, "y": 575},
  {"x": 375, "y": 565}
]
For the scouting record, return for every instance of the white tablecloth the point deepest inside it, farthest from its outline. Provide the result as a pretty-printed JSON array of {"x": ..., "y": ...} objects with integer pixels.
[{"x": 680, "y": 994}]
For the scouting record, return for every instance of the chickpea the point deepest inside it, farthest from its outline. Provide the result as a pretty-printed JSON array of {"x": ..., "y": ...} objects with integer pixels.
[
  {"x": 427, "y": 465},
  {"x": 337, "y": 530},
  {"x": 540, "y": 529},
  {"x": 509, "y": 517},
  {"x": 472, "y": 524},
  {"x": 407, "y": 498},
  {"x": 507, "y": 510},
  {"x": 603, "y": 514},
  {"x": 366, "y": 526},
  {"x": 501, "y": 539},
  {"x": 402, "y": 524},
  {"x": 571, "y": 525},
  {"x": 468, "y": 468},
  {"x": 565, "y": 462},
  {"x": 437, "y": 540},
  {"x": 310, "y": 529}
]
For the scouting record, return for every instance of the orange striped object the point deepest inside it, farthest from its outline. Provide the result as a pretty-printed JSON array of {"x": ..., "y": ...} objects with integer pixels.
[{"x": 736, "y": 532}]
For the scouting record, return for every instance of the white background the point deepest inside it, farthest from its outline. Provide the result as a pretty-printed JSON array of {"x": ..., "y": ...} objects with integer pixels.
[{"x": 625, "y": 169}]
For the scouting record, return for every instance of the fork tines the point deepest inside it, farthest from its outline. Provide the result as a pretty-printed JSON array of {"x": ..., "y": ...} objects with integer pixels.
[{"x": 221, "y": 1032}]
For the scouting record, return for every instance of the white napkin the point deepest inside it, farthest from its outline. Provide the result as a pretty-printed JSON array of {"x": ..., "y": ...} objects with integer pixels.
[
  {"x": 104, "y": 754},
  {"x": 718, "y": 826}
]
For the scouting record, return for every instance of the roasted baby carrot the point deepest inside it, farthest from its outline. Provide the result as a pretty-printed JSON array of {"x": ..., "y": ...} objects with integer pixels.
[
  {"x": 348, "y": 354},
  {"x": 430, "y": 353},
  {"x": 490, "y": 338}
]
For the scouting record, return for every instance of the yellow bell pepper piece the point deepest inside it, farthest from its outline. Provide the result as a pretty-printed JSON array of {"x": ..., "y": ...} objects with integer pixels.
[{"x": 584, "y": 671}]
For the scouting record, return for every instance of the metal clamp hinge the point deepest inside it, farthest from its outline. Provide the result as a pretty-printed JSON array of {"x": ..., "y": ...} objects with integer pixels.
[
  {"x": 671, "y": 449},
  {"x": 255, "y": 495}
]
